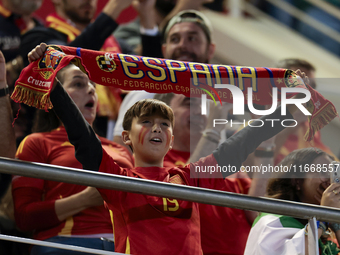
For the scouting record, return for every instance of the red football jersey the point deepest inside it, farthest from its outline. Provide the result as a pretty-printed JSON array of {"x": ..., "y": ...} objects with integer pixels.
[
  {"x": 34, "y": 198},
  {"x": 155, "y": 225},
  {"x": 223, "y": 230}
]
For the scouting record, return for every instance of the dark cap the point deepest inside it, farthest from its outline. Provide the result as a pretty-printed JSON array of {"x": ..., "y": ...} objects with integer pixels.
[{"x": 190, "y": 16}]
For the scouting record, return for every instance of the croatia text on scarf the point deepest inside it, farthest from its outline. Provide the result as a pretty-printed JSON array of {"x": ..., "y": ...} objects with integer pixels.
[{"x": 156, "y": 75}]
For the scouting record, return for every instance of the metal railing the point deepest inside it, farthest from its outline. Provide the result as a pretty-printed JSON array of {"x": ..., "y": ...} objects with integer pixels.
[
  {"x": 154, "y": 188},
  {"x": 161, "y": 189}
]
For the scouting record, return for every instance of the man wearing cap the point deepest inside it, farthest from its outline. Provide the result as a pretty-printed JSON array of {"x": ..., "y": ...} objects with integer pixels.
[{"x": 187, "y": 37}]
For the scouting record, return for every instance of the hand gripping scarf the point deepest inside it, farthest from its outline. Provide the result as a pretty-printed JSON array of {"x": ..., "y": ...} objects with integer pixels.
[{"x": 156, "y": 75}]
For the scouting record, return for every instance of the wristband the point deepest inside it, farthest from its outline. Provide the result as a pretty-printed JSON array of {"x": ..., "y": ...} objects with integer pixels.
[
  {"x": 323, "y": 226},
  {"x": 4, "y": 92},
  {"x": 149, "y": 31}
]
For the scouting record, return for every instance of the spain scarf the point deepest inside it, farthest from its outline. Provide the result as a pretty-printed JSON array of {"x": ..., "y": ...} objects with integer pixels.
[{"x": 156, "y": 75}]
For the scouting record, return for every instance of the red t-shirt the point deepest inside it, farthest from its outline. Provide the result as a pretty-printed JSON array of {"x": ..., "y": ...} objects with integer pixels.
[
  {"x": 223, "y": 230},
  {"x": 34, "y": 198},
  {"x": 154, "y": 225}
]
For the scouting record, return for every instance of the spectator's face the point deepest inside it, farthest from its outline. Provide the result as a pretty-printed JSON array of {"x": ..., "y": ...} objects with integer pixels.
[
  {"x": 82, "y": 91},
  {"x": 189, "y": 124},
  {"x": 23, "y": 7},
  {"x": 79, "y": 11},
  {"x": 150, "y": 137},
  {"x": 187, "y": 42},
  {"x": 314, "y": 180}
]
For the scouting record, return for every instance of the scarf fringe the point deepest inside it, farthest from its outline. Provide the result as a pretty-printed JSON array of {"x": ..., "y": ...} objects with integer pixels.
[
  {"x": 318, "y": 122},
  {"x": 32, "y": 98}
]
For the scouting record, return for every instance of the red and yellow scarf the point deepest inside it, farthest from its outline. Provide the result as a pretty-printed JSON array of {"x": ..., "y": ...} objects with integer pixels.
[{"x": 156, "y": 75}]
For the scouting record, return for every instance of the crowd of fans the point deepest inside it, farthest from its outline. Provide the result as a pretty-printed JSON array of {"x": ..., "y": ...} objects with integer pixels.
[{"x": 133, "y": 223}]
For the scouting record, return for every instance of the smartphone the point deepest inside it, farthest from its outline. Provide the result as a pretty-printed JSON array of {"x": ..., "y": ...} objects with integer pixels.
[{"x": 335, "y": 174}]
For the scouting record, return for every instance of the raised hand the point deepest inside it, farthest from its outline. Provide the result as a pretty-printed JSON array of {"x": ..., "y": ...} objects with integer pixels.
[
  {"x": 146, "y": 11},
  {"x": 302, "y": 75},
  {"x": 113, "y": 8},
  {"x": 218, "y": 111},
  {"x": 37, "y": 52}
]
